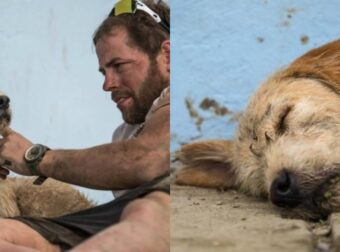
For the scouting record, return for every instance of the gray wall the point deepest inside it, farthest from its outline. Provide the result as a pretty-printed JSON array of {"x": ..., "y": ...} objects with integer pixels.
[{"x": 222, "y": 50}]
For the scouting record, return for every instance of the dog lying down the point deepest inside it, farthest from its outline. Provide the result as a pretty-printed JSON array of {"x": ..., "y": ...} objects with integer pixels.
[
  {"x": 287, "y": 146},
  {"x": 18, "y": 196}
]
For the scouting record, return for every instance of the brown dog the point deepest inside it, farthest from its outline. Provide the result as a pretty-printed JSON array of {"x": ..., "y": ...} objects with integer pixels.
[
  {"x": 18, "y": 196},
  {"x": 287, "y": 146}
]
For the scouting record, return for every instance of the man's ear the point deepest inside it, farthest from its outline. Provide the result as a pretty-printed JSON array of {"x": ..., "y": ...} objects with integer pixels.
[
  {"x": 165, "y": 52},
  {"x": 207, "y": 164}
]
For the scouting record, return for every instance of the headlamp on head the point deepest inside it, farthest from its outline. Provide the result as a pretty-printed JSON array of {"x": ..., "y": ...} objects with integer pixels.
[{"x": 131, "y": 6}]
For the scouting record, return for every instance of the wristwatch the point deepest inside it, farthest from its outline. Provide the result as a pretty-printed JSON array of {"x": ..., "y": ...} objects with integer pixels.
[{"x": 33, "y": 156}]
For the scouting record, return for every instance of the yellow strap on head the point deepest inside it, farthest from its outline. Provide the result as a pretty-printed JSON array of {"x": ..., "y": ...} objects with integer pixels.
[
  {"x": 124, "y": 6},
  {"x": 131, "y": 6}
]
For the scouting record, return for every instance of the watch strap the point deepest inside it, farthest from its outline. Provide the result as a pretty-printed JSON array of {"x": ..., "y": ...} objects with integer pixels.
[
  {"x": 33, "y": 167},
  {"x": 39, "y": 180}
]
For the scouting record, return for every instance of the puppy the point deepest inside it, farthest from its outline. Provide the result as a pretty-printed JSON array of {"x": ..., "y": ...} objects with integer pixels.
[
  {"x": 18, "y": 196},
  {"x": 287, "y": 146},
  {"x": 5, "y": 112}
]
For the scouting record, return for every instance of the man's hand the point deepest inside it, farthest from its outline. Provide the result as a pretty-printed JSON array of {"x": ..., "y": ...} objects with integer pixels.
[
  {"x": 3, "y": 173},
  {"x": 12, "y": 150}
]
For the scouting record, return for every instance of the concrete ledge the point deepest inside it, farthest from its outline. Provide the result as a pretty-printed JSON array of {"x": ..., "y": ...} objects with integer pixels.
[{"x": 207, "y": 220}]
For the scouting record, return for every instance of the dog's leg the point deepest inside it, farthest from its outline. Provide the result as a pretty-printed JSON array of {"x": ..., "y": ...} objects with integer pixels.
[{"x": 206, "y": 164}]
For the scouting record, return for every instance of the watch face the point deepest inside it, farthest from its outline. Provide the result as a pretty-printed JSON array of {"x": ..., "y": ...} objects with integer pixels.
[{"x": 33, "y": 153}]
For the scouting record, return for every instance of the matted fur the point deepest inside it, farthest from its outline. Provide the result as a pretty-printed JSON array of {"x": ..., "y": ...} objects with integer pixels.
[
  {"x": 18, "y": 196},
  {"x": 291, "y": 123}
]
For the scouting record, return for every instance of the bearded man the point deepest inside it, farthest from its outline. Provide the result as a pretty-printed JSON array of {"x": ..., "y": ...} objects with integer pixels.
[{"x": 133, "y": 49}]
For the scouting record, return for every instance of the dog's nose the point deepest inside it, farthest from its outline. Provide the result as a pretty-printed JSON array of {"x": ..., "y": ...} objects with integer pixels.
[
  {"x": 4, "y": 101},
  {"x": 284, "y": 191}
]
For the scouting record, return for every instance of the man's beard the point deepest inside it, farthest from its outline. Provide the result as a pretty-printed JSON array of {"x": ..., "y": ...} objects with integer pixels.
[{"x": 149, "y": 90}]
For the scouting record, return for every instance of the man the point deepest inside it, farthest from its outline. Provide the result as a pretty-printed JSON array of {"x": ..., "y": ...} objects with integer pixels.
[{"x": 133, "y": 50}]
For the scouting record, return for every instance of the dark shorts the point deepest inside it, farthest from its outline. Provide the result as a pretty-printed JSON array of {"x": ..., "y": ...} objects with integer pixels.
[{"x": 69, "y": 230}]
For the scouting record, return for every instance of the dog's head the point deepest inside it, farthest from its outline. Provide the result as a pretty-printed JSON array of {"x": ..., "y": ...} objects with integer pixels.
[
  {"x": 5, "y": 112},
  {"x": 289, "y": 137}
]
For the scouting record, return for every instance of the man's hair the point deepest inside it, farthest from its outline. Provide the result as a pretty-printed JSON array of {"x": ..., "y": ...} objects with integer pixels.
[{"x": 143, "y": 31}]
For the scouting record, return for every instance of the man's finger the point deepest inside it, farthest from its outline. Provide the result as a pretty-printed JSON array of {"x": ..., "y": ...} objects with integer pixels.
[{"x": 4, "y": 171}]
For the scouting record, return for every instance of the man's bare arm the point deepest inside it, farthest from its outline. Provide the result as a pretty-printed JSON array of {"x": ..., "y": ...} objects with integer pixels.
[{"x": 118, "y": 165}]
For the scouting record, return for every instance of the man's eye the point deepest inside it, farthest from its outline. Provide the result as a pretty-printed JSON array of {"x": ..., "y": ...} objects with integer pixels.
[{"x": 119, "y": 66}]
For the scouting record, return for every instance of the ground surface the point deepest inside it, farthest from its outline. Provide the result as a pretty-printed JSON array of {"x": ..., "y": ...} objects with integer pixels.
[{"x": 207, "y": 220}]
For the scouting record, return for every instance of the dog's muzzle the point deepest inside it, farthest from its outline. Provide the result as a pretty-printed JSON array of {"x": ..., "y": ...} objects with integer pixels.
[{"x": 4, "y": 104}]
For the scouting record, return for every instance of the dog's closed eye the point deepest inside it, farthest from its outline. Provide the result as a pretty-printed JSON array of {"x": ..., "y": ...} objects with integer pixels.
[{"x": 281, "y": 125}]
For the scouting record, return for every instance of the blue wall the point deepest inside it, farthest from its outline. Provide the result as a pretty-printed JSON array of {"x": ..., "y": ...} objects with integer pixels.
[
  {"x": 223, "y": 50},
  {"x": 49, "y": 68}
]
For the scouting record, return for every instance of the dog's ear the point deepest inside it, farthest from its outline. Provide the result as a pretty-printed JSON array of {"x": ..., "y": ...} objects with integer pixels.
[
  {"x": 322, "y": 63},
  {"x": 206, "y": 164}
]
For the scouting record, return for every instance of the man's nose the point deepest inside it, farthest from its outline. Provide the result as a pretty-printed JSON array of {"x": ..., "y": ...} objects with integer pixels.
[
  {"x": 4, "y": 102},
  {"x": 284, "y": 191},
  {"x": 110, "y": 82}
]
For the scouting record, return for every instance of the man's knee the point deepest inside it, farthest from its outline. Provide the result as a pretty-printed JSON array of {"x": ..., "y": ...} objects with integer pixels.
[
  {"x": 154, "y": 204},
  {"x": 161, "y": 198}
]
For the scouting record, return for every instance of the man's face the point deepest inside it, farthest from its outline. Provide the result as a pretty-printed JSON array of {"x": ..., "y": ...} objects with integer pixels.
[{"x": 133, "y": 79}]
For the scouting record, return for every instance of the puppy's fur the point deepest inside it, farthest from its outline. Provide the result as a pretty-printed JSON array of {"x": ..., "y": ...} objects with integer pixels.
[
  {"x": 291, "y": 125},
  {"x": 18, "y": 196}
]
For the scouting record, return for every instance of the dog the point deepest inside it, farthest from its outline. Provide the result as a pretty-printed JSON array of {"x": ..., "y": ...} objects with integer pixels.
[
  {"x": 19, "y": 197},
  {"x": 287, "y": 145}
]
